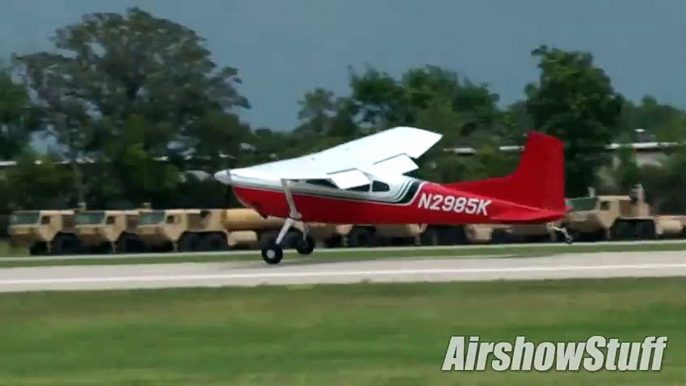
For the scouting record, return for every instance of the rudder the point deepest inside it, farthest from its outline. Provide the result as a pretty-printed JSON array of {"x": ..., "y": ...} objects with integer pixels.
[{"x": 537, "y": 181}]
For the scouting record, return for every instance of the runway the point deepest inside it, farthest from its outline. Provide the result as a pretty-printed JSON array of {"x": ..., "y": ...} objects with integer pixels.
[
  {"x": 309, "y": 271},
  {"x": 335, "y": 250}
]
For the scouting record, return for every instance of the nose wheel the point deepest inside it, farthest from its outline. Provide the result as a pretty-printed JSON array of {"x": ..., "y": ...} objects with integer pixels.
[{"x": 272, "y": 251}]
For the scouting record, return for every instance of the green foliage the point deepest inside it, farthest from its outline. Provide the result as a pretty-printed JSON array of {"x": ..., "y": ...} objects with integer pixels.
[
  {"x": 574, "y": 100},
  {"x": 125, "y": 88},
  {"x": 38, "y": 182},
  {"x": 17, "y": 116},
  {"x": 141, "y": 97}
]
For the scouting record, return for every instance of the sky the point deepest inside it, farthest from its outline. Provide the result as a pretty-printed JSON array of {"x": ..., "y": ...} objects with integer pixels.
[{"x": 285, "y": 48}]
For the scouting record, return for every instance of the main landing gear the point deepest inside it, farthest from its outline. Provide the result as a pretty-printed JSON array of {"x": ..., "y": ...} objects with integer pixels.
[{"x": 272, "y": 252}]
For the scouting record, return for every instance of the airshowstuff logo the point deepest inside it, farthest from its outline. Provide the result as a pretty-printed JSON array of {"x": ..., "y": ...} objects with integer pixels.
[{"x": 596, "y": 353}]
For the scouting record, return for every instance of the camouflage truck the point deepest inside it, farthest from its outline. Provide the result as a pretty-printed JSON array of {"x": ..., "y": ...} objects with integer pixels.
[
  {"x": 107, "y": 231},
  {"x": 616, "y": 217},
  {"x": 44, "y": 231},
  {"x": 358, "y": 235},
  {"x": 191, "y": 230},
  {"x": 466, "y": 234},
  {"x": 536, "y": 233}
]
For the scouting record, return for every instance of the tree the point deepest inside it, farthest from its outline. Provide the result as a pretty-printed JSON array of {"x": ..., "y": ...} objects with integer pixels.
[
  {"x": 39, "y": 182},
  {"x": 657, "y": 121},
  {"x": 384, "y": 102},
  {"x": 112, "y": 69},
  {"x": 574, "y": 100},
  {"x": 17, "y": 117}
]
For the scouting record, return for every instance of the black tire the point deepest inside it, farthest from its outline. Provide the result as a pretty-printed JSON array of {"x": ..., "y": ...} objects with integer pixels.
[
  {"x": 645, "y": 230},
  {"x": 272, "y": 253},
  {"x": 104, "y": 248},
  {"x": 430, "y": 237},
  {"x": 38, "y": 248},
  {"x": 305, "y": 246},
  {"x": 499, "y": 236},
  {"x": 621, "y": 230},
  {"x": 291, "y": 240},
  {"x": 359, "y": 238},
  {"x": 128, "y": 243},
  {"x": 65, "y": 244},
  {"x": 214, "y": 242},
  {"x": 189, "y": 242}
]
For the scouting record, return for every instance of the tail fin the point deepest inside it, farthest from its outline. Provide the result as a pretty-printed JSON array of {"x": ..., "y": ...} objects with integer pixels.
[{"x": 538, "y": 180}]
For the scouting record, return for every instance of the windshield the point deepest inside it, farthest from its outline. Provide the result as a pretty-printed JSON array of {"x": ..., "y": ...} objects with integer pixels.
[
  {"x": 149, "y": 218},
  {"x": 91, "y": 218},
  {"x": 583, "y": 204},
  {"x": 24, "y": 218}
]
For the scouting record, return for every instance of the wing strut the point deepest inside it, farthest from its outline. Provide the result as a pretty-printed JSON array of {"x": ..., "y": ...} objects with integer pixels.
[{"x": 272, "y": 252}]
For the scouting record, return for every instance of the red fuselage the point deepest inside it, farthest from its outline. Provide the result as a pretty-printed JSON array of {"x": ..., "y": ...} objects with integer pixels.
[{"x": 421, "y": 203}]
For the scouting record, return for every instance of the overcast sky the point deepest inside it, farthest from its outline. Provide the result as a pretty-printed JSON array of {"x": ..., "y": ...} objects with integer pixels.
[{"x": 285, "y": 48}]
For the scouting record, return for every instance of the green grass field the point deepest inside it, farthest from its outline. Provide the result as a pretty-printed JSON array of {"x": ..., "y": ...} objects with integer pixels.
[
  {"x": 513, "y": 250},
  {"x": 369, "y": 334}
]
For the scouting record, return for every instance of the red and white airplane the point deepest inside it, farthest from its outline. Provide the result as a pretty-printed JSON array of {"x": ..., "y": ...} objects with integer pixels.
[{"x": 363, "y": 182}]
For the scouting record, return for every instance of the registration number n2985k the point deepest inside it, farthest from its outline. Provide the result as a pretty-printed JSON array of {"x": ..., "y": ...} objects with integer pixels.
[{"x": 448, "y": 203}]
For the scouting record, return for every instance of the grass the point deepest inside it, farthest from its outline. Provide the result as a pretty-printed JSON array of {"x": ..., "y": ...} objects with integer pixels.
[
  {"x": 484, "y": 251},
  {"x": 8, "y": 251},
  {"x": 368, "y": 334}
]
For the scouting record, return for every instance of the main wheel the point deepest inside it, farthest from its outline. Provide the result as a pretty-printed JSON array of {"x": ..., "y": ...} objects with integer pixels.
[
  {"x": 272, "y": 253},
  {"x": 305, "y": 246}
]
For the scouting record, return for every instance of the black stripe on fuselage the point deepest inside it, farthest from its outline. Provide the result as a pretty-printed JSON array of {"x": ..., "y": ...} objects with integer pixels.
[{"x": 405, "y": 196}]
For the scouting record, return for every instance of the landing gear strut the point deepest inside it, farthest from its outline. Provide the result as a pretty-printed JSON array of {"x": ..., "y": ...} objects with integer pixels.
[
  {"x": 272, "y": 252},
  {"x": 568, "y": 238}
]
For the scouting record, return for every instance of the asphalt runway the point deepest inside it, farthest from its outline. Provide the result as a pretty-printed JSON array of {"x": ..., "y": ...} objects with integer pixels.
[
  {"x": 329, "y": 250},
  {"x": 308, "y": 271}
]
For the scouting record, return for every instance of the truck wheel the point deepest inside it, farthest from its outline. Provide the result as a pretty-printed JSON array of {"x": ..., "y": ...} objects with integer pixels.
[
  {"x": 359, "y": 238},
  {"x": 499, "y": 236},
  {"x": 64, "y": 244},
  {"x": 430, "y": 237},
  {"x": 189, "y": 242},
  {"x": 621, "y": 230},
  {"x": 38, "y": 248},
  {"x": 214, "y": 242},
  {"x": 104, "y": 248},
  {"x": 128, "y": 243},
  {"x": 645, "y": 230}
]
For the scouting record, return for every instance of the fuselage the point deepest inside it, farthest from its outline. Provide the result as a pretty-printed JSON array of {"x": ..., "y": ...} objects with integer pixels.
[{"x": 394, "y": 200}]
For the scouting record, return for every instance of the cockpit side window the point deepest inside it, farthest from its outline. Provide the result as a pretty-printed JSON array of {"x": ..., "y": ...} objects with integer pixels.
[{"x": 378, "y": 186}]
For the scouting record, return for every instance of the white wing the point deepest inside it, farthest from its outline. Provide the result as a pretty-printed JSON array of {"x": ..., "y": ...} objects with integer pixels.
[{"x": 348, "y": 165}]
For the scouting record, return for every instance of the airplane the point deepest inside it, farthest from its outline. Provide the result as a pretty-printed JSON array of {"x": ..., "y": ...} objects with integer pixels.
[{"x": 363, "y": 181}]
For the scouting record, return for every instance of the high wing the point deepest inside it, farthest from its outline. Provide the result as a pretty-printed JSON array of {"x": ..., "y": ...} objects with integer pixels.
[{"x": 349, "y": 165}]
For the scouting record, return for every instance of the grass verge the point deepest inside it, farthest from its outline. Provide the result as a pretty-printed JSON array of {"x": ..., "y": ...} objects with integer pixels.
[
  {"x": 368, "y": 334},
  {"x": 486, "y": 251}
]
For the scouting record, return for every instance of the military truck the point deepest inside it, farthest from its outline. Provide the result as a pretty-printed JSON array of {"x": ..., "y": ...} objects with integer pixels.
[
  {"x": 358, "y": 235},
  {"x": 43, "y": 231},
  {"x": 466, "y": 234},
  {"x": 108, "y": 231},
  {"x": 616, "y": 217},
  {"x": 536, "y": 233},
  {"x": 191, "y": 230}
]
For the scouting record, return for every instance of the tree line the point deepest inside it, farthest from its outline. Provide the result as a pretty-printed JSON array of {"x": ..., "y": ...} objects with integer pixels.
[{"x": 124, "y": 91}]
